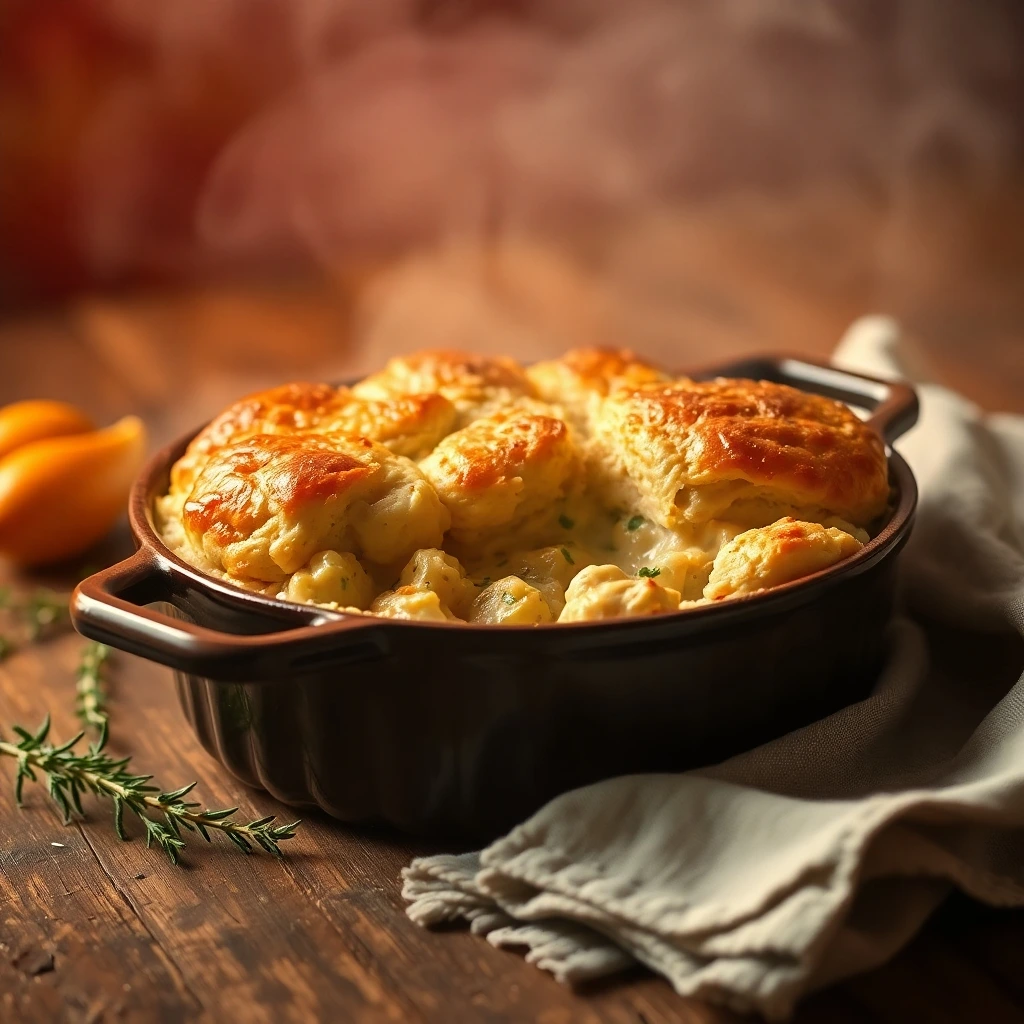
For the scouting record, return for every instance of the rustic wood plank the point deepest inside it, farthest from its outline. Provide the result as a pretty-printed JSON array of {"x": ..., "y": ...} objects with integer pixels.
[
  {"x": 55, "y": 899},
  {"x": 366, "y": 909},
  {"x": 232, "y": 931}
]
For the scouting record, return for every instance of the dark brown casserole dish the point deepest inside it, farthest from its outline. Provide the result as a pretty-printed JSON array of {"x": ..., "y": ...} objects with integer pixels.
[{"x": 452, "y": 728}]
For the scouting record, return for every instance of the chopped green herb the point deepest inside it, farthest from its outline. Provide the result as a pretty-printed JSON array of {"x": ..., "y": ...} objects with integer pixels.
[
  {"x": 648, "y": 573},
  {"x": 483, "y": 583},
  {"x": 344, "y": 583},
  {"x": 567, "y": 556},
  {"x": 635, "y": 523},
  {"x": 509, "y": 599},
  {"x": 565, "y": 522}
]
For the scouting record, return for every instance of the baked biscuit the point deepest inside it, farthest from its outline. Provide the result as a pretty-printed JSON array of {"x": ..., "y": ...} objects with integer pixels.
[
  {"x": 407, "y": 424},
  {"x": 770, "y": 555},
  {"x": 606, "y": 592},
  {"x": 476, "y": 385},
  {"x": 411, "y": 603},
  {"x": 502, "y": 477},
  {"x": 583, "y": 375},
  {"x": 332, "y": 578},
  {"x": 748, "y": 451},
  {"x": 261, "y": 507},
  {"x": 282, "y": 410},
  {"x": 703, "y": 490}
]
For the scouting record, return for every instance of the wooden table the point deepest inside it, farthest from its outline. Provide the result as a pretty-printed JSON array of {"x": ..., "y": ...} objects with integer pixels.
[{"x": 95, "y": 929}]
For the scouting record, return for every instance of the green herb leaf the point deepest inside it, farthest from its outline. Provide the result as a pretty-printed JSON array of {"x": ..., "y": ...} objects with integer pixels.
[
  {"x": 649, "y": 573},
  {"x": 567, "y": 556},
  {"x": 565, "y": 522},
  {"x": 635, "y": 523},
  {"x": 92, "y": 699},
  {"x": 45, "y": 608},
  {"x": 69, "y": 774},
  {"x": 509, "y": 599}
]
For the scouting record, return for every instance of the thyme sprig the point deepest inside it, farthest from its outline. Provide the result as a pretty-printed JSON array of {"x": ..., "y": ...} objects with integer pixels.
[
  {"x": 45, "y": 609},
  {"x": 91, "y": 701},
  {"x": 43, "y": 612},
  {"x": 69, "y": 774}
]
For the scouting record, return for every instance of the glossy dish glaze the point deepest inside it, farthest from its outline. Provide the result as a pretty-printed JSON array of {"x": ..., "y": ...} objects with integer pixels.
[{"x": 464, "y": 729}]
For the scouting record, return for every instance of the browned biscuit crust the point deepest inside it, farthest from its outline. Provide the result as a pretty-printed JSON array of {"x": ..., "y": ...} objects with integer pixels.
[{"x": 692, "y": 451}]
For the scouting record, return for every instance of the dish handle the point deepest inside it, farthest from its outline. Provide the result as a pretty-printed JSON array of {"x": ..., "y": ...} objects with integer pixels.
[
  {"x": 110, "y": 607},
  {"x": 892, "y": 406}
]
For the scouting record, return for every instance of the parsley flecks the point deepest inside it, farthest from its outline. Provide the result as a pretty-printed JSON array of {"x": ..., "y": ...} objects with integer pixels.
[
  {"x": 649, "y": 573},
  {"x": 509, "y": 599},
  {"x": 565, "y": 522},
  {"x": 483, "y": 583},
  {"x": 567, "y": 556},
  {"x": 635, "y": 523}
]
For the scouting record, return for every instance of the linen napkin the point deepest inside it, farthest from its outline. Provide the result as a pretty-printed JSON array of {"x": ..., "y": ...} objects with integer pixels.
[{"x": 820, "y": 854}]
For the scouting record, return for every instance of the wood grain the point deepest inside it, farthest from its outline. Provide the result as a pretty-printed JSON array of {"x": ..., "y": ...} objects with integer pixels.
[{"x": 323, "y": 935}]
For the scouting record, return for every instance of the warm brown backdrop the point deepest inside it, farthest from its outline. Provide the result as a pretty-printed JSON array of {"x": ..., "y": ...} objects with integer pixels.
[{"x": 787, "y": 174}]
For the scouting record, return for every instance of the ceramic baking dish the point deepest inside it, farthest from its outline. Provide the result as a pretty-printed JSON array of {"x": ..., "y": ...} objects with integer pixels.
[{"x": 459, "y": 729}]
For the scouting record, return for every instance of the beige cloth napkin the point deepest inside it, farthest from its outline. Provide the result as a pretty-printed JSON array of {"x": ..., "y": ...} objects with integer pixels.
[{"x": 817, "y": 855}]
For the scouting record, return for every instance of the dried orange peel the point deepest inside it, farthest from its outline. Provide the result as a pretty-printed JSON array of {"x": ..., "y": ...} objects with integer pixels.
[{"x": 63, "y": 484}]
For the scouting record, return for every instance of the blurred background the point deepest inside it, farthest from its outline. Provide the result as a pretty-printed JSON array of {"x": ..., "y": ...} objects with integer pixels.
[{"x": 197, "y": 199}]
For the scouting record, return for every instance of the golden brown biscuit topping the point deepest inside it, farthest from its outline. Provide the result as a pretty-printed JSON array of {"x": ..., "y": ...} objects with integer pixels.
[
  {"x": 724, "y": 445},
  {"x": 597, "y": 369},
  {"x": 587, "y": 487},
  {"x": 296, "y": 470}
]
